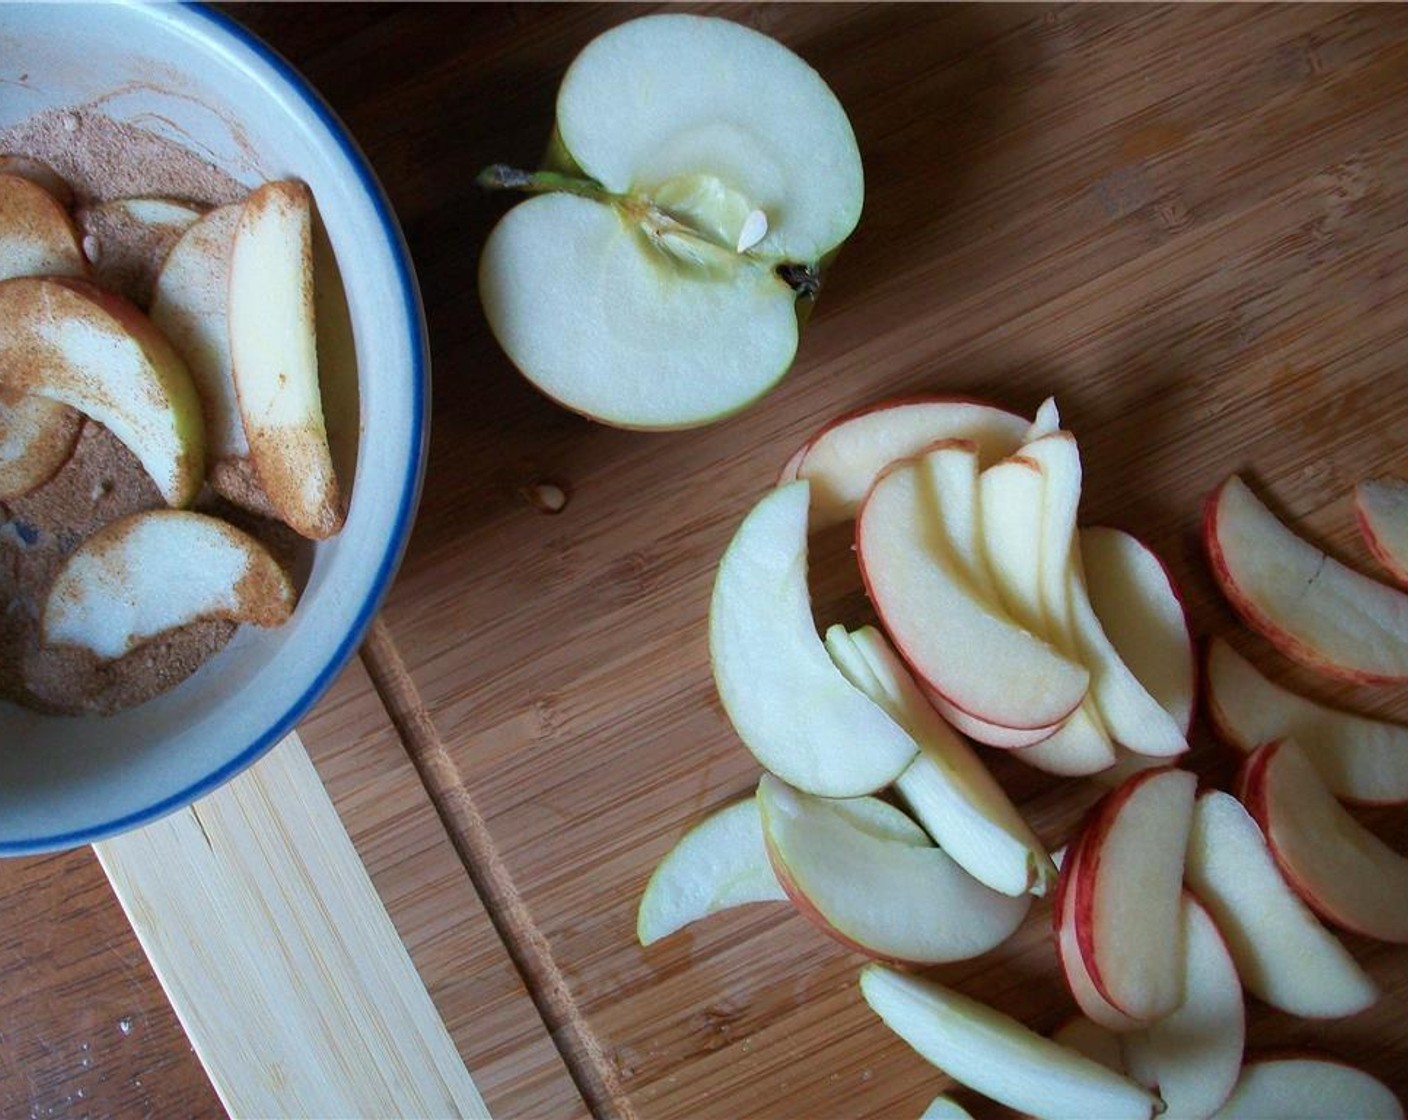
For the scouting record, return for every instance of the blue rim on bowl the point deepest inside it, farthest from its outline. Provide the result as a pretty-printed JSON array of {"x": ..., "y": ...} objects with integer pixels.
[{"x": 231, "y": 36}]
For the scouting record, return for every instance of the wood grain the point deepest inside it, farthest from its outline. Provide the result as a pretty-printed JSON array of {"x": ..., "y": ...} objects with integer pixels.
[{"x": 1190, "y": 224}]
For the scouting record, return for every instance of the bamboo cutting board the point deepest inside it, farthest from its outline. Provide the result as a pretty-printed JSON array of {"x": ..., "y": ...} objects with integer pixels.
[{"x": 1189, "y": 224}]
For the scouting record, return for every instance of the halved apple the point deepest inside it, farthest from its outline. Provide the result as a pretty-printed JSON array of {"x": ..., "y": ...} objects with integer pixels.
[
  {"x": 700, "y": 175},
  {"x": 1283, "y": 955},
  {"x": 1128, "y": 892},
  {"x": 1342, "y": 870},
  {"x": 37, "y": 237},
  {"x": 717, "y": 864},
  {"x": 70, "y": 341},
  {"x": 151, "y": 572},
  {"x": 1309, "y": 605},
  {"x": 1307, "y": 1086},
  {"x": 997, "y": 1056},
  {"x": 1360, "y": 759},
  {"x": 947, "y": 787},
  {"x": 1194, "y": 1054},
  {"x": 801, "y": 718},
  {"x": 190, "y": 304},
  {"x": 843, "y": 460},
  {"x": 1381, "y": 508},
  {"x": 877, "y": 895},
  {"x": 915, "y": 542},
  {"x": 274, "y": 358},
  {"x": 37, "y": 437},
  {"x": 1141, "y": 612}
]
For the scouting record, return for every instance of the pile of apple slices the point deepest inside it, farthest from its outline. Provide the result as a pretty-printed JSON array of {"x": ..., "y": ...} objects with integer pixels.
[{"x": 221, "y": 377}]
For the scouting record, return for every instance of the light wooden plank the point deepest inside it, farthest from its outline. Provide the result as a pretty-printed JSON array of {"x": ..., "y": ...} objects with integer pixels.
[{"x": 279, "y": 958}]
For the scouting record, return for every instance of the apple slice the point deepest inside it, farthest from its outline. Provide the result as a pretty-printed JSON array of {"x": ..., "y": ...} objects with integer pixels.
[
  {"x": 72, "y": 342},
  {"x": 947, "y": 787},
  {"x": 37, "y": 238},
  {"x": 997, "y": 1056},
  {"x": 1194, "y": 1054},
  {"x": 913, "y": 558},
  {"x": 1342, "y": 870},
  {"x": 845, "y": 457},
  {"x": 1141, "y": 613},
  {"x": 877, "y": 895},
  {"x": 989, "y": 734},
  {"x": 125, "y": 237},
  {"x": 1360, "y": 759},
  {"x": 1381, "y": 508},
  {"x": 1010, "y": 497},
  {"x": 789, "y": 704},
  {"x": 717, "y": 864},
  {"x": 37, "y": 436},
  {"x": 273, "y": 356},
  {"x": 1128, "y": 892},
  {"x": 151, "y": 572},
  {"x": 1307, "y": 1087},
  {"x": 190, "y": 304},
  {"x": 700, "y": 176},
  {"x": 1307, "y": 604},
  {"x": 1085, "y": 1036},
  {"x": 1283, "y": 955},
  {"x": 945, "y": 1108},
  {"x": 39, "y": 173}
]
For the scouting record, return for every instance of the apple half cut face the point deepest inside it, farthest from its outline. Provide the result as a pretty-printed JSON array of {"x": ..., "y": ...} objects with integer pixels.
[
  {"x": 699, "y": 177},
  {"x": 1128, "y": 893},
  {"x": 1307, "y": 1087},
  {"x": 946, "y": 787},
  {"x": 801, "y": 718},
  {"x": 877, "y": 895},
  {"x": 843, "y": 460},
  {"x": 1381, "y": 508},
  {"x": 151, "y": 572},
  {"x": 1284, "y": 956},
  {"x": 718, "y": 864},
  {"x": 1344, "y": 872},
  {"x": 997, "y": 1056},
  {"x": 1310, "y": 606},
  {"x": 1360, "y": 759},
  {"x": 69, "y": 341},
  {"x": 917, "y": 541}
]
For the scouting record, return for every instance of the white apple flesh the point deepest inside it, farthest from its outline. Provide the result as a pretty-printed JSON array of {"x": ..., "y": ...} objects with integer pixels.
[
  {"x": 877, "y": 895},
  {"x": 997, "y": 1056},
  {"x": 946, "y": 787},
  {"x": 697, "y": 166},
  {"x": 274, "y": 358},
  {"x": 1284, "y": 956},
  {"x": 801, "y": 718},
  {"x": 152, "y": 572},
  {"x": 1310, "y": 606},
  {"x": 1361, "y": 759},
  {"x": 37, "y": 437},
  {"x": 70, "y": 341},
  {"x": 1342, "y": 870},
  {"x": 1308, "y": 1087},
  {"x": 37, "y": 237},
  {"x": 1085, "y": 1036},
  {"x": 914, "y": 547},
  {"x": 944, "y": 1108},
  {"x": 843, "y": 460},
  {"x": 1381, "y": 508}
]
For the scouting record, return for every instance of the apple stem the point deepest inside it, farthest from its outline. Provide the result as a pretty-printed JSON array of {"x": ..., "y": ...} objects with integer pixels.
[
  {"x": 501, "y": 177},
  {"x": 801, "y": 278}
]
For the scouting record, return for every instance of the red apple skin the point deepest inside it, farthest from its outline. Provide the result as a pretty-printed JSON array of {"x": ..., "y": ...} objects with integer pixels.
[
  {"x": 1248, "y": 611},
  {"x": 791, "y": 470},
  {"x": 971, "y": 724},
  {"x": 1097, "y": 824},
  {"x": 1386, "y": 559}
]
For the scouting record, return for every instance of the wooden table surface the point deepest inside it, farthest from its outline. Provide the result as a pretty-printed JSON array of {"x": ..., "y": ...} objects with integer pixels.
[{"x": 1190, "y": 224}]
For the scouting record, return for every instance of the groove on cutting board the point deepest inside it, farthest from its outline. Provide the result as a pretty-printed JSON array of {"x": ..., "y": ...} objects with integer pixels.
[{"x": 586, "y": 1059}]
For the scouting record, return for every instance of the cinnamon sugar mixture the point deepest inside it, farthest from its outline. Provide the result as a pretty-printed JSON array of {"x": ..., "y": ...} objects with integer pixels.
[{"x": 103, "y": 160}]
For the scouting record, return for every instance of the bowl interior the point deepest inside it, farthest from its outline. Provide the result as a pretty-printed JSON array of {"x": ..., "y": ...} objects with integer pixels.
[{"x": 190, "y": 75}]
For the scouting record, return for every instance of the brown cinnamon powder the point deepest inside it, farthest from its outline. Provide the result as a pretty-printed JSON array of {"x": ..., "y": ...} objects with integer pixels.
[{"x": 102, "y": 160}]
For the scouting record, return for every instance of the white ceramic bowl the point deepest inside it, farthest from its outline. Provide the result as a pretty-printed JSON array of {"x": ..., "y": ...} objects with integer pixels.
[{"x": 197, "y": 77}]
